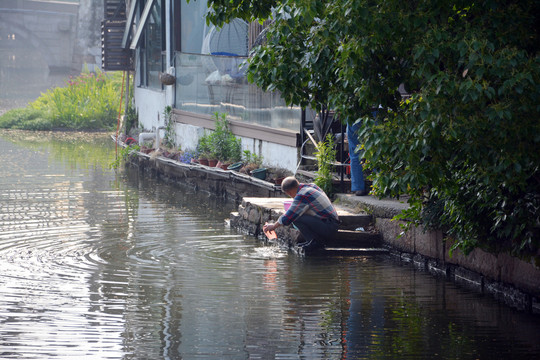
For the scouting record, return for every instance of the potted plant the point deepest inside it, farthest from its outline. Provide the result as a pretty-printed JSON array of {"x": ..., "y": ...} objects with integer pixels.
[
  {"x": 188, "y": 156},
  {"x": 252, "y": 165},
  {"x": 213, "y": 155},
  {"x": 234, "y": 151},
  {"x": 225, "y": 147},
  {"x": 326, "y": 156},
  {"x": 276, "y": 175},
  {"x": 203, "y": 149}
]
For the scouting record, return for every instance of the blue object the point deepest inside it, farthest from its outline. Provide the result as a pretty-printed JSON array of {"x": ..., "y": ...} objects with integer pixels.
[{"x": 357, "y": 175}]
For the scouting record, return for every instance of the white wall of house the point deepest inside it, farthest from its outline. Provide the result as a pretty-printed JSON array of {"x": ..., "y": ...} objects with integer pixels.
[
  {"x": 187, "y": 136},
  {"x": 274, "y": 155},
  {"x": 150, "y": 106}
]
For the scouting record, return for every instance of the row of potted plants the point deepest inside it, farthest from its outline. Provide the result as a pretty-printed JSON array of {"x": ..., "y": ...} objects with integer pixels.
[
  {"x": 220, "y": 145},
  {"x": 221, "y": 148}
]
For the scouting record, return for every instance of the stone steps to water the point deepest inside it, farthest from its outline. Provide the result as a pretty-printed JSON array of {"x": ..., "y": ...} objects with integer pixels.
[
  {"x": 355, "y": 242},
  {"x": 351, "y": 238},
  {"x": 355, "y": 236},
  {"x": 354, "y": 221},
  {"x": 354, "y": 251}
]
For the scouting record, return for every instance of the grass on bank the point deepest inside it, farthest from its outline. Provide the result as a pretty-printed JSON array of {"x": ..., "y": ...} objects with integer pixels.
[{"x": 89, "y": 101}]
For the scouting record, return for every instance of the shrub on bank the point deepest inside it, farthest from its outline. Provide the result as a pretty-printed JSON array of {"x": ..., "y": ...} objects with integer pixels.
[
  {"x": 89, "y": 101},
  {"x": 25, "y": 119}
]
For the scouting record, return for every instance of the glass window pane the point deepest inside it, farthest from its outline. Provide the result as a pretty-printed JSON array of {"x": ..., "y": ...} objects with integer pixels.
[
  {"x": 193, "y": 25},
  {"x": 154, "y": 45},
  {"x": 206, "y": 84}
]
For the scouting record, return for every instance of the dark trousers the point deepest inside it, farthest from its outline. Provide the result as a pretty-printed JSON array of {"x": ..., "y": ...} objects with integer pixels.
[{"x": 313, "y": 228}]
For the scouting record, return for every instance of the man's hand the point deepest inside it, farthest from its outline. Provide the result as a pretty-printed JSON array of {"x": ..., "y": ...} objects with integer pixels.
[{"x": 270, "y": 227}]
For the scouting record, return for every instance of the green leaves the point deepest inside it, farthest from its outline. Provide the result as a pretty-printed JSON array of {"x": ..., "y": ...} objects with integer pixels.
[
  {"x": 326, "y": 155},
  {"x": 88, "y": 101},
  {"x": 465, "y": 146}
]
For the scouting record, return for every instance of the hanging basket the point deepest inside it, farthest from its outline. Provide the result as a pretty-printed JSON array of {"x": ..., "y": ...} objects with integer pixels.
[{"x": 167, "y": 79}]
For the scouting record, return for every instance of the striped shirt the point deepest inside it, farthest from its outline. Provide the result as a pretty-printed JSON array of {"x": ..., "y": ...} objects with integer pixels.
[{"x": 311, "y": 200}]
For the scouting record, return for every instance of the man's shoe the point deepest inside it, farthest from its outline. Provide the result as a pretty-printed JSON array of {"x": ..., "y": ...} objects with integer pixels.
[{"x": 361, "y": 193}]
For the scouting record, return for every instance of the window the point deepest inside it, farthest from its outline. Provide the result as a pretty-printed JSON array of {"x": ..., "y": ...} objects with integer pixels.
[
  {"x": 190, "y": 25},
  {"x": 210, "y": 71},
  {"x": 206, "y": 84},
  {"x": 152, "y": 46}
]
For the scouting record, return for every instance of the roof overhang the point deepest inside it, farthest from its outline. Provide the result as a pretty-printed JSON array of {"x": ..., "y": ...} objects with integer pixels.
[
  {"x": 129, "y": 23},
  {"x": 139, "y": 27}
]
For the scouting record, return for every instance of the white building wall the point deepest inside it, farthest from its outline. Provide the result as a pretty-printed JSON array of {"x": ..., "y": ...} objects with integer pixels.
[
  {"x": 187, "y": 136},
  {"x": 150, "y": 106},
  {"x": 273, "y": 155}
]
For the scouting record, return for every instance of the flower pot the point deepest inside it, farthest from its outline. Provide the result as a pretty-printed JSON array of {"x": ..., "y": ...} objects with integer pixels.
[
  {"x": 223, "y": 166},
  {"x": 212, "y": 162},
  {"x": 259, "y": 173},
  {"x": 203, "y": 161},
  {"x": 236, "y": 166},
  {"x": 278, "y": 181}
]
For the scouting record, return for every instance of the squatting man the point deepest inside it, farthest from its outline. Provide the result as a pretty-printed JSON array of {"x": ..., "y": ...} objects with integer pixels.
[{"x": 311, "y": 212}]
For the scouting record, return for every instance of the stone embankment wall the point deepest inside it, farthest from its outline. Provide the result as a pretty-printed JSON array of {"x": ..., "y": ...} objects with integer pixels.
[
  {"x": 223, "y": 183},
  {"x": 252, "y": 216},
  {"x": 511, "y": 280}
]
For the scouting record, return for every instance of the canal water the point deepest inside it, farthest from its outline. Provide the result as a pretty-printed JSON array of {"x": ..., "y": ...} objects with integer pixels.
[{"x": 104, "y": 264}]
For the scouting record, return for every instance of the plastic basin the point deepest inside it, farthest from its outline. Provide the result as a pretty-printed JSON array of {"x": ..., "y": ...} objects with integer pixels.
[{"x": 287, "y": 204}]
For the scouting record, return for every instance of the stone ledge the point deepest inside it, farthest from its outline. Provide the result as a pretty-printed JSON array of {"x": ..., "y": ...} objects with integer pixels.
[{"x": 380, "y": 208}]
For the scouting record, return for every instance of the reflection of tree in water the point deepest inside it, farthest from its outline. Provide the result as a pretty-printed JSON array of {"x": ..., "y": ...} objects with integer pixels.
[
  {"x": 74, "y": 149},
  {"x": 412, "y": 330}
]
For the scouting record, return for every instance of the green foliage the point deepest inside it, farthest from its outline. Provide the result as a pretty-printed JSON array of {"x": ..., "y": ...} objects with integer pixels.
[
  {"x": 27, "y": 119},
  {"x": 227, "y": 10},
  {"x": 250, "y": 158},
  {"x": 299, "y": 60},
  {"x": 131, "y": 116},
  {"x": 326, "y": 156},
  {"x": 234, "y": 148},
  {"x": 203, "y": 146},
  {"x": 224, "y": 146},
  {"x": 89, "y": 101},
  {"x": 466, "y": 145},
  {"x": 123, "y": 154},
  {"x": 169, "y": 140}
]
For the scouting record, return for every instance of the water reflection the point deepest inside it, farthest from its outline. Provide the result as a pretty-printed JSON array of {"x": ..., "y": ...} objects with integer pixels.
[{"x": 101, "y": 265}]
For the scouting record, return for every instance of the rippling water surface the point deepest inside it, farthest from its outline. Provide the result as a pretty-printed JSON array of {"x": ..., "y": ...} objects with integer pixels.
[{"x": 106, "y": 265}]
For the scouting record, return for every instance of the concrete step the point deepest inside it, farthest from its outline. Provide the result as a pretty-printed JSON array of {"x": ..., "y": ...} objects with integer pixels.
[
  {"x": 354, "y": 251},
  {"x": 354, "y": 221},
  {"x": 355, "y": 239}
]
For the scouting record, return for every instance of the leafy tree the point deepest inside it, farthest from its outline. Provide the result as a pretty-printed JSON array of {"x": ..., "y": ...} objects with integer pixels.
[
  {"x": 251, "y": 10},
  {"x": 466, "y": 144}
]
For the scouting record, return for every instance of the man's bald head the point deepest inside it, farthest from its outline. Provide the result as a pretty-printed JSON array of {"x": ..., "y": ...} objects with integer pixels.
[{"x": 289, "y": 183}]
